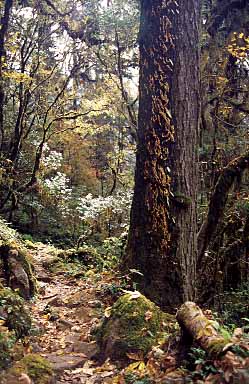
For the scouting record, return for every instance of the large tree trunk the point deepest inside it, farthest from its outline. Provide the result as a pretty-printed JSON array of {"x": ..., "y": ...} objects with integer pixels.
[
  {"x": 162, "y": 237},
  {"x": 185, "y": 98}
]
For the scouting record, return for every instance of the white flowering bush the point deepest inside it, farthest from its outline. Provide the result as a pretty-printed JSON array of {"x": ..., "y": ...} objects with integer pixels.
[
  {"x": 6, "y": 232},
  {"x": 58, "y": 189},
  {"x": 58, "y": 186},
  {"x": 90, "y": 207},
  {"x": 71, "y": 212},
  {"x": 88, "y": 214},
  {"x": 51, "y": 159},
  {"x": 107, "y": 215}
]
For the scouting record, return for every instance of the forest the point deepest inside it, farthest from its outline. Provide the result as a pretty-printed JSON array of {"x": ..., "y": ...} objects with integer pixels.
[{"x": 124, "y": 191}]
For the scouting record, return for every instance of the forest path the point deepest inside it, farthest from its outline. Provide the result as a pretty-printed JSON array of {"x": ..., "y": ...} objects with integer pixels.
[{"x": 64, "y": 313}]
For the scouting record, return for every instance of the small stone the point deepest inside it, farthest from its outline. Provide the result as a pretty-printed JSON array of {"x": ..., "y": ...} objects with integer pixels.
[
  {"x": 89, "y": 349},
  {"x": 76, "y": 328},
  {"x": 95, "y": 304},
  {"x": 54, "y": 316},
  {"x": 36, "y": 348},
  {"x": 56, "y": 302},
  {"x": 61, "y": 363},
  {"x": 64, "y": 324},
  {"x": 42, "y": 276},
  {"x": 24, "y": 379}
]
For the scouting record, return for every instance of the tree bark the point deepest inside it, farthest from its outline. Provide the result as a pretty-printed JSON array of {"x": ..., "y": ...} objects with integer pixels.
[
  {"x": 162, "y": 237},
  {"x": 185, "y": 96}
]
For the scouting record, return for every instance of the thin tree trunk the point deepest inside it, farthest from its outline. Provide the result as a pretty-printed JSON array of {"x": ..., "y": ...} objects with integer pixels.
[
  {"x": 218, "y": 201},
  {"x": 3, "y": 31}
]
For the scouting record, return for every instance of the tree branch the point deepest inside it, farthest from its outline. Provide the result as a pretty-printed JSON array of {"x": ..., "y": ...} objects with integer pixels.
[{"x": 218, "y": 201}]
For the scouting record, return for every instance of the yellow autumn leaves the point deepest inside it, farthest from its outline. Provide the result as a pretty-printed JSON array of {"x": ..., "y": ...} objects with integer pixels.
[
  {"x": 239, "y": 45},
  {"x": 17, "y": 76}
]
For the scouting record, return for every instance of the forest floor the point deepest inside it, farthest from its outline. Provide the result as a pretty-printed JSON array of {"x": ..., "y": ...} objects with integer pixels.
[
  {"x": 65, "y": 312},
  {"x": 71, "y": 303}
]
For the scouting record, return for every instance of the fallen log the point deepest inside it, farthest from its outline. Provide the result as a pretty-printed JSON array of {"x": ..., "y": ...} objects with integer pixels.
[{"x": 203, "y": 330}]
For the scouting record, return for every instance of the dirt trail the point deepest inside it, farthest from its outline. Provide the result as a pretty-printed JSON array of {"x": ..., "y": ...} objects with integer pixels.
[{"x": 64, "y": 313}]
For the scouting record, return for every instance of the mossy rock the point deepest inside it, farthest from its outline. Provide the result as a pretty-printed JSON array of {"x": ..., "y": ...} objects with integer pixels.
[
  {"x": 135, "y": 325},
  {"x": 7, "y": 341},
  {"x": 18, "y": 268},
  {"x": 86, "y": 255},
  {"x": 53, "y": 264},
  {"x": 14, "y": 312},
  {"x": 29, "y": 244},
  {"x": 37, "y": 368},
  {"x": 73, "y": 261}
]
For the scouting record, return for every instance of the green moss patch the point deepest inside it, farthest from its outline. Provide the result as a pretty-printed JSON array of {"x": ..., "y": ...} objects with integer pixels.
[
  {"x": 7, "y": 340},
  {"x": 36, "y": 367},
  {"x": 14, "y": 312},
  {"x": 73, "y": 261},
  {"x": 13, "y": 247},
  {"x": 135, "y": 324},
  {"x": 22, "y": 258}
]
